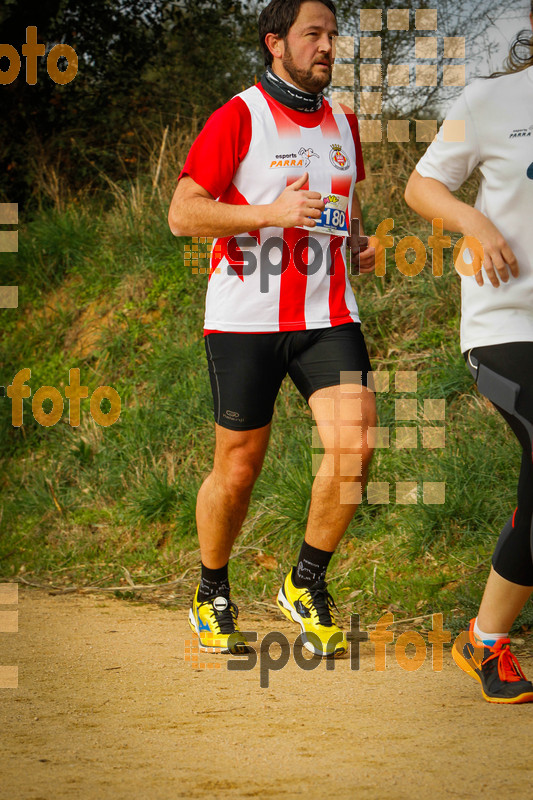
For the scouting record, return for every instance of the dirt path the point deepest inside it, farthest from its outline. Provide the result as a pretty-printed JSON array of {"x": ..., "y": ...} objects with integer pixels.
[{"x": 108, "y": 707}]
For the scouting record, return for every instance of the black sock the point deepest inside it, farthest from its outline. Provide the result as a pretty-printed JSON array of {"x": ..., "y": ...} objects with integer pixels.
[
  {"x": 311, "y": 567},
  {"x": 214, "y": 582}
]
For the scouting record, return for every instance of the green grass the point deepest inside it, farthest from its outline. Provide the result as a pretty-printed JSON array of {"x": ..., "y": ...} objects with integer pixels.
[{"x": 104, "y": 289}]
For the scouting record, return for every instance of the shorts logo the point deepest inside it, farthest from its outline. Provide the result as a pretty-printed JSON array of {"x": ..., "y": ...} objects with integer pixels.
[
  {"x": 302, "y": 159},
  {"x": 338, "y": 158},
  {"x": 529, "y": 172},
  {"x": 233, "y": 416}
]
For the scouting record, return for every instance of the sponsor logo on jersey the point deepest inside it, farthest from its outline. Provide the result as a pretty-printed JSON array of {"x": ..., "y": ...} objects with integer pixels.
[
  {"x": 338, "y": 157},
  {"x": 301, "y": 159},
  {"x": 331, "y": 199},
  {"x": 307, "y": 153},
  {"x": 520, "y": 133}
]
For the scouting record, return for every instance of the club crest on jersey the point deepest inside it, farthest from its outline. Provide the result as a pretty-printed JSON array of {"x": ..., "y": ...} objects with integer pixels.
[
  {"x": 338, "y": 158},
  {"x": 302, "y": 159}
]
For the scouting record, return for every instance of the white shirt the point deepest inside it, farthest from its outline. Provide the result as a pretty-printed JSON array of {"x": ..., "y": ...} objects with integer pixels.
[{"x": 498, "y": 116}]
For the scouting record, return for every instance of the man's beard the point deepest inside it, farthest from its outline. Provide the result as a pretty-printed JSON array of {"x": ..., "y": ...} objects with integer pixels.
[{"x": 305, "y": 78}]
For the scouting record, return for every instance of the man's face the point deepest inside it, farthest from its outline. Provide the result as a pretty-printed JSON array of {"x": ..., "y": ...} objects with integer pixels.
[{"x": 309, "y": 50}]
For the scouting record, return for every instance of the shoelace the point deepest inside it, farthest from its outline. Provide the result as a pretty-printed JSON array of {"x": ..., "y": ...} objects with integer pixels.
[
  {"x": 226, "y": 619},
  {"x": 508, "y": 666},
  {"x": 323, "y": 602}
]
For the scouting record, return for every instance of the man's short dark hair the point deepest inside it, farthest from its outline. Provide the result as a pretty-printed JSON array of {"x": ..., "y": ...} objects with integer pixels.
[{"x": 278, "y": 18}]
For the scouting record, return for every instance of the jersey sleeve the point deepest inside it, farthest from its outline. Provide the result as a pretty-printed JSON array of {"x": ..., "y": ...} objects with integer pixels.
[
  {"x": 454, "y": 153},
  {"x": 354, "y": 127},
  {"x": 220, "y": 147}
]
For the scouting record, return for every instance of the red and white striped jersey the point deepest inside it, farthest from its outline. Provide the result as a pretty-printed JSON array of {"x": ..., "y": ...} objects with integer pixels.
[{"x": 278, "y": 279}]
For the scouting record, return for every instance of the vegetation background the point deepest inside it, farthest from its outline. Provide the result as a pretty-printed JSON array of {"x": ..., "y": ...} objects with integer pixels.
[{"x": 104, "y": 287}]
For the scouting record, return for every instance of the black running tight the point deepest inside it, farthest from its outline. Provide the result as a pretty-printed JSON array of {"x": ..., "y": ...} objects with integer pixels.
[{"x": 513, "y": 558}]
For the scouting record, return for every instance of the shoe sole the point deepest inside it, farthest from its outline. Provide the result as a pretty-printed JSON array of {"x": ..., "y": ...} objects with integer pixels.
[
  {"x": 290, "y": 612},
  {"x": 204, "y": 648},
  {"x": 462, "y": 663}
]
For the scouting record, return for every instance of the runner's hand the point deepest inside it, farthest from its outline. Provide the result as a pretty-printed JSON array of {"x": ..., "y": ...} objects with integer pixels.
[
  {"x": 499, "y": 261},
  {"x": 363, "y": 250},
  {"x": 296, "y": 206}
]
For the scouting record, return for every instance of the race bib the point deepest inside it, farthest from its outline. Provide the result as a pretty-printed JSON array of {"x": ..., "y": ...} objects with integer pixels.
[{"x": 333, "y": 220}]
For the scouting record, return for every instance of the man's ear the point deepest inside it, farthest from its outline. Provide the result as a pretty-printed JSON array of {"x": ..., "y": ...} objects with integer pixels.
[{"x": 275, "y": 44}]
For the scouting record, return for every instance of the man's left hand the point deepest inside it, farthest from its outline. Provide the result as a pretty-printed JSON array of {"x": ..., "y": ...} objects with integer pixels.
[{"x": 363, "y": 250}]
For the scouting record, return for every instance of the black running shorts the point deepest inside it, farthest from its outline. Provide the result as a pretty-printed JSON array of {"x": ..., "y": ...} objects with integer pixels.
[{"x": 246, "y": 369}]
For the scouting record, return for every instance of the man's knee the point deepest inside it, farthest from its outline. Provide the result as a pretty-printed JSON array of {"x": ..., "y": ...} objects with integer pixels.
[
  {"x": 242, "y": 472},
  {"x": 239, "y": 458},
  {"x": 348, "y": 431}
]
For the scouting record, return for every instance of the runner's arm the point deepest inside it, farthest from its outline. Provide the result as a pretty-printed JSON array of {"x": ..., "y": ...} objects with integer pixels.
[
  {"x": 433, "y": 200},
  {"x": 195, "y": 212}
]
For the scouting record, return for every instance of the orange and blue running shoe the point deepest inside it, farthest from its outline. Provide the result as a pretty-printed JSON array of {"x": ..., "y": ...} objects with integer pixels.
[{"x": 496, "y": 668}]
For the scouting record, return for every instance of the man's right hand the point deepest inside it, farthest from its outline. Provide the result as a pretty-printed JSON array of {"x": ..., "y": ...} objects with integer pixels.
[{"x": 296, "y": 206}]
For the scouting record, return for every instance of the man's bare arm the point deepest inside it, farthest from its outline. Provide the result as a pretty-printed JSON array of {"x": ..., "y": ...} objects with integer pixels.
[{"x": 195, "y": 212}]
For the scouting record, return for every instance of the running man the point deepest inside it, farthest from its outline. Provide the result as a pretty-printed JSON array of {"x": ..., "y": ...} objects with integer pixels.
[{"x": 272, "y": 178}]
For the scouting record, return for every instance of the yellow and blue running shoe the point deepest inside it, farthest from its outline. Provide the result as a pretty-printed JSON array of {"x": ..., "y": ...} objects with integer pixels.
[
  {"x": 214, "y": 621},
  {"x": 312, "y": 609}
]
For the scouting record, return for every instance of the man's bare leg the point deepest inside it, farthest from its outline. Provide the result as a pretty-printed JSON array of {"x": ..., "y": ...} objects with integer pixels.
[
  {"x": 221, "y": 507},
  {"x": 343, "y": 415},
  {"x": 224, "y": 496}
]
